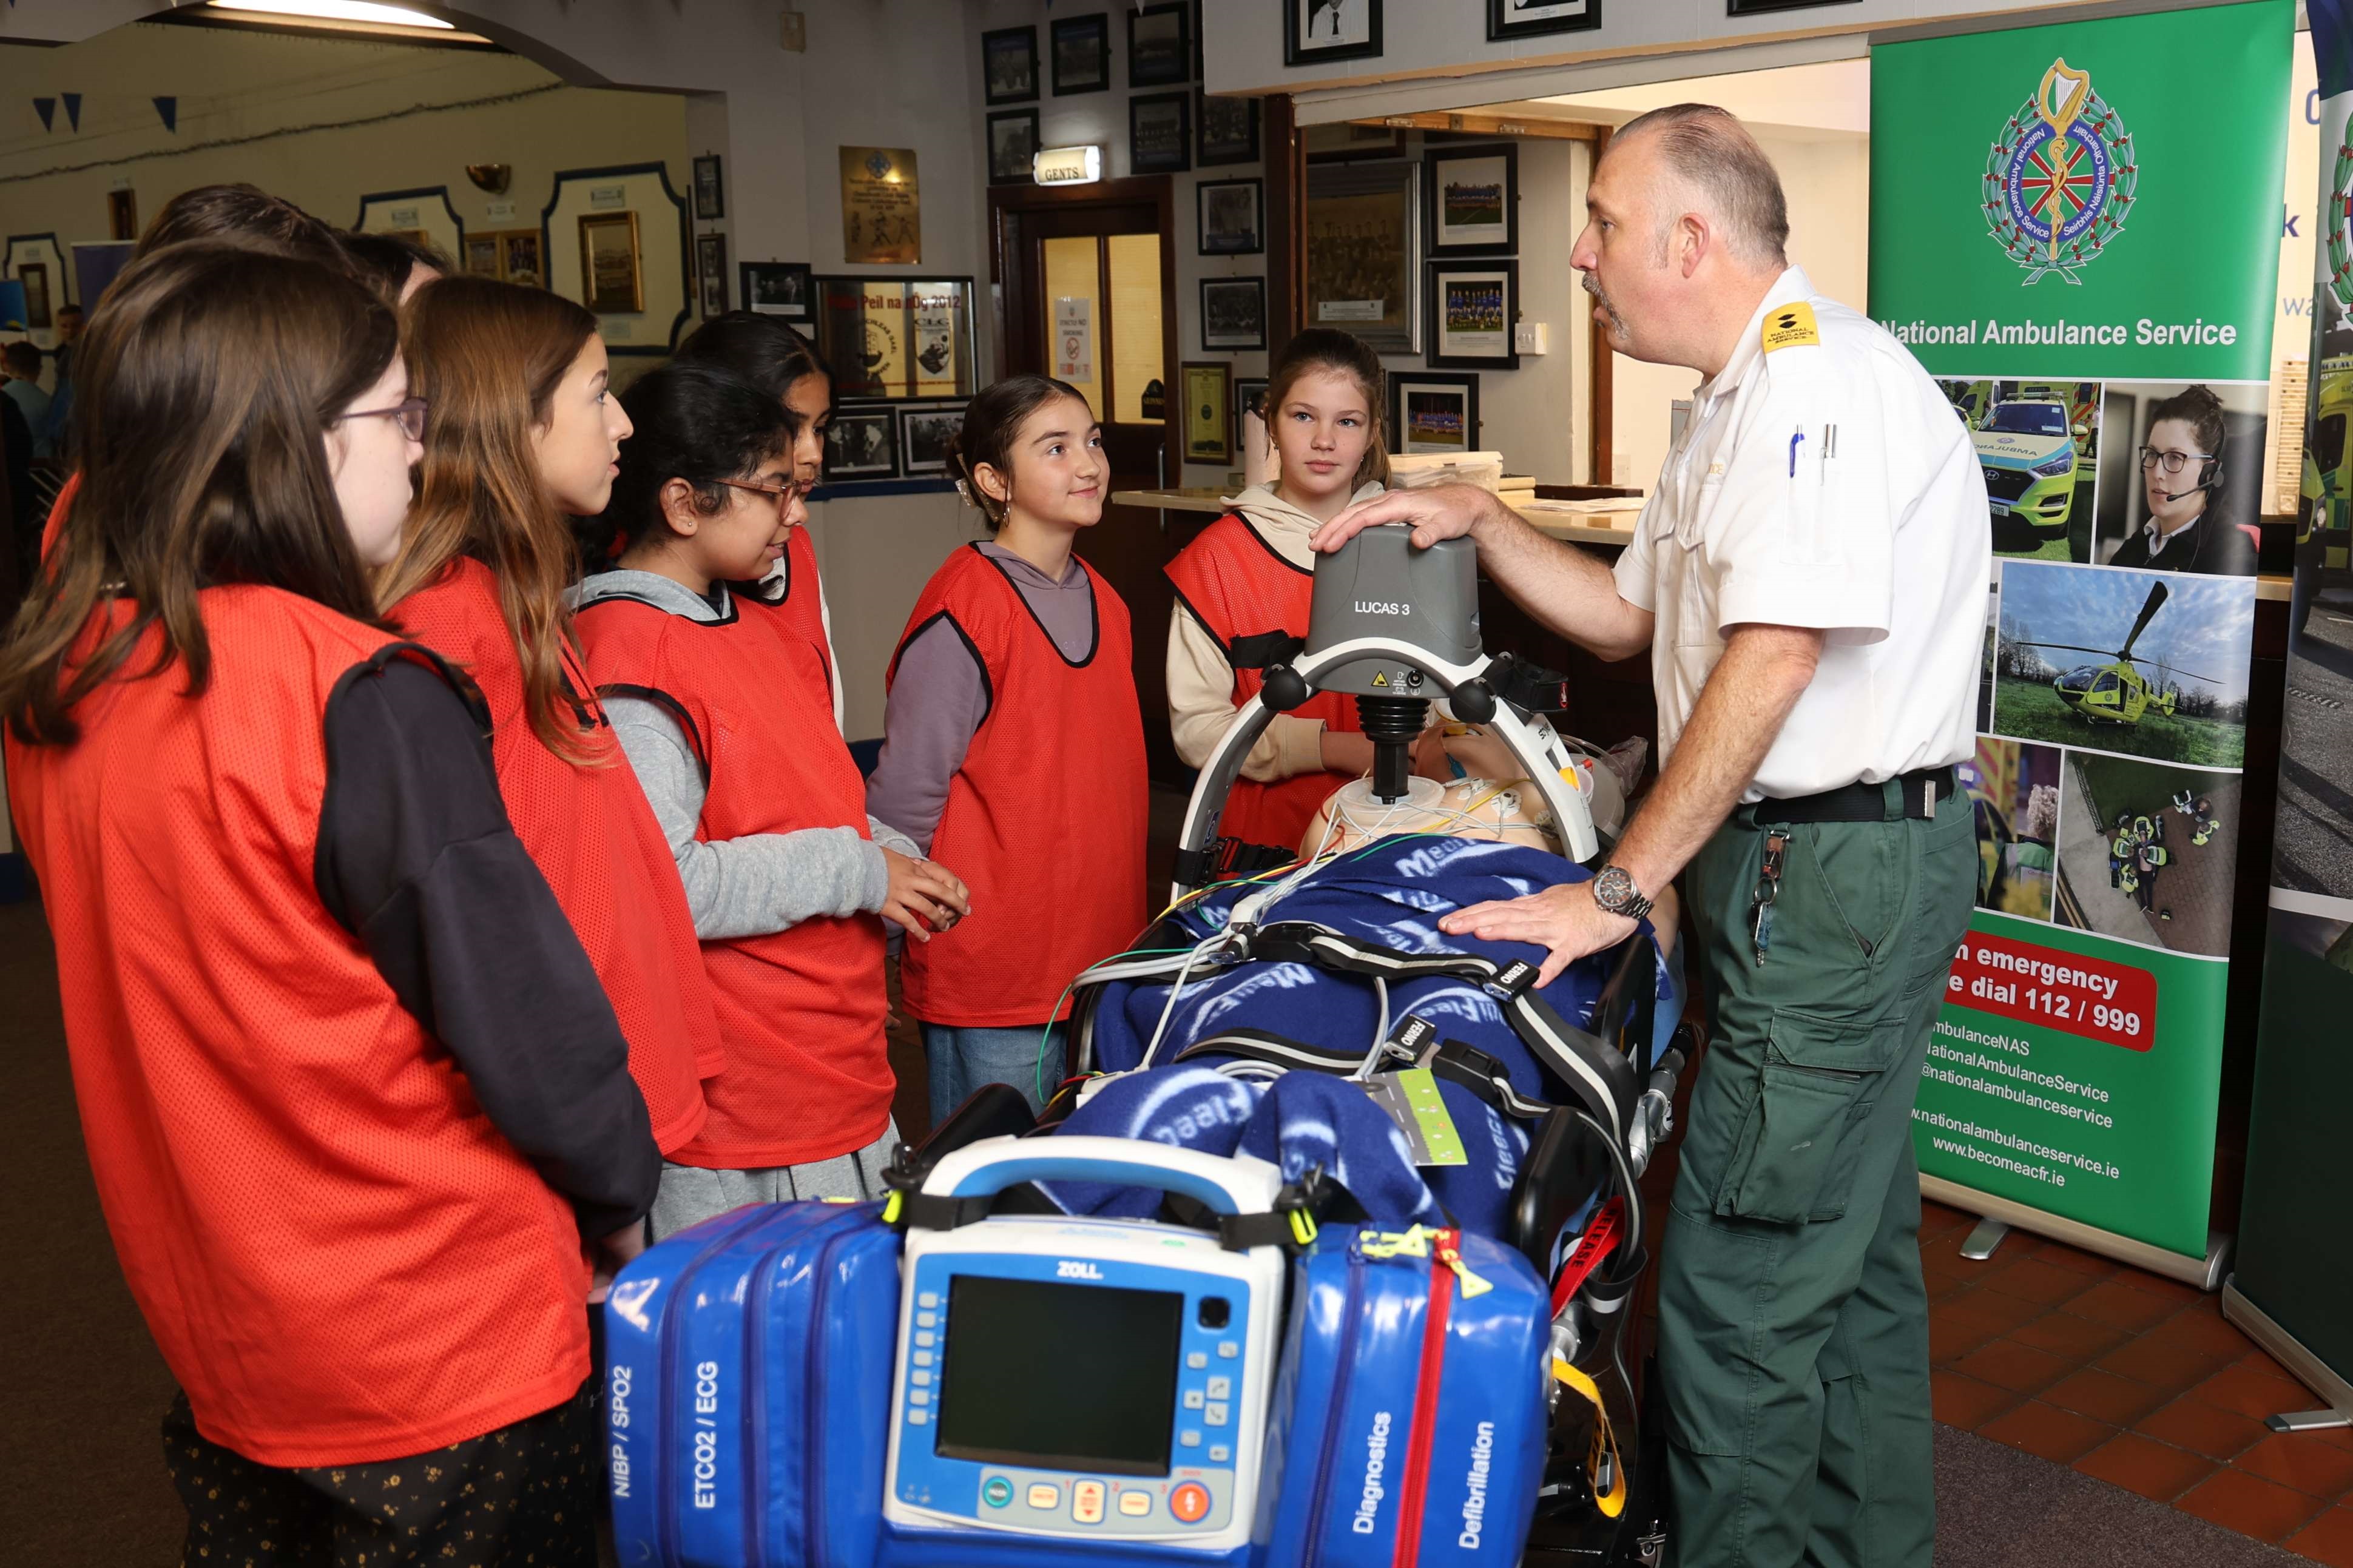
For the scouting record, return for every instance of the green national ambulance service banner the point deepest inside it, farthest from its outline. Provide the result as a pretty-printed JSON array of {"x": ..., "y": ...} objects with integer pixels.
[{"x": 2076, "y": 229}]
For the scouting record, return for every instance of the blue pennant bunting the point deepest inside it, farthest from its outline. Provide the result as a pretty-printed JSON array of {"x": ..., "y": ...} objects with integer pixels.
[
  {"x": 169, "y": 107},
  {"x": 47, "y": 107},
  {"x": 73, "y": 109}
]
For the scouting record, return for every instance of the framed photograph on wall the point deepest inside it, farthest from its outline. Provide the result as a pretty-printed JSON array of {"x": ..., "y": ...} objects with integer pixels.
[
  {"x": 1160, "y": 45},
  {"x": 1314, "y": 31},
  {"x": 481, "y": 257},
  {"x": 1012, "y": 145},
  {"x": 1082, "y": 54},
  {"x": 1225, "y": 129},
  {"x": 1160, "y": 133},
  {"x": 1474, "y": 200},
  {"x": 709, "y": 196},
  {"x": 1008, "y": 65},
  {"x": 898, "y": 338},
  {"x": 1364, "y": 251},
  {"x": 1249, "y": 394},
  {"x": 1208, "y": 389},
  {"x": 612, "y": 272},
  {"x": 1472, "y": 308},
  {"x": 1233, "y": 313},
  {"x": 1532, "y": 18},
  {"x": 1231, "y": 216},
  {"x": 39, "y": 316},
  {"x": 924, "y": 432},
  {"x": 777, "y": 289},
  {"x": 862, "y": 444},
  {"x": 1430, "y": 411},
  {"x": 711, "y": 270}
]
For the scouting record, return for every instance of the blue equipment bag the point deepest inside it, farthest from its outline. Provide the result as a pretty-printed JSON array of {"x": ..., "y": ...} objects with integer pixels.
[
  {"x": 768, "y": 1383},
  {"x": 1414, "y": 1396},
  {"x": 748, "y": 1389}
]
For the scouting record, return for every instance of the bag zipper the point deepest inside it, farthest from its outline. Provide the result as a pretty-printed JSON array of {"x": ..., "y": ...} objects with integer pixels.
[
  {"x": 666, "y": 1516},
  {"x": 813, "y": 1406},
  {"x": 1424, "y": 1436},
  {"x": 1337, "y": 1409}
]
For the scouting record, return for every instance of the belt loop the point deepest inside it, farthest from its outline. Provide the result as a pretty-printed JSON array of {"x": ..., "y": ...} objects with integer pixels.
[{"x": 1892, "y": 799}]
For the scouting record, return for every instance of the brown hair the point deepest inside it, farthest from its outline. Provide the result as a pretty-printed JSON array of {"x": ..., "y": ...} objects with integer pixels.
[
  {"x": 243, "y": 212},
  {"x": 2197, "y": 407},
  {"x": 488, "y": 357},
  {"x": 202, "y": 397},
  {"x": 384, "y": 261},
  {"x": 1329, "y": 348},
  {"x": 992, "y": 422}
]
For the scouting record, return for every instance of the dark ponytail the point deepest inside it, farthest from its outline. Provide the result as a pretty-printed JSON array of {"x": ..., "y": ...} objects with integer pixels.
[
  {"x": 1329, "y": 348},
  {"x": 692, "y": 422},
  {"x": 992, "y": 421}
]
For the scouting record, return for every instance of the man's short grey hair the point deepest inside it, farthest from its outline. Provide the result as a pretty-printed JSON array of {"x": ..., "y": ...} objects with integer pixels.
[{"x": 1713, "y": 152}]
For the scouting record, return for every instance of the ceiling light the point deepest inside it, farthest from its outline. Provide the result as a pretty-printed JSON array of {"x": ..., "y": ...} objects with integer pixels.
[{"x": 340, "y": 11}]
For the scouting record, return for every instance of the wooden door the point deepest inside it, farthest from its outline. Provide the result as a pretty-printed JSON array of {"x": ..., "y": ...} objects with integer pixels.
[{"x": 1087, "y": 281}]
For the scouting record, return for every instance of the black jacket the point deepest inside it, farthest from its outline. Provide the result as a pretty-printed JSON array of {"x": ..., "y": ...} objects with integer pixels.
[{"x": 2209, "y": 545}]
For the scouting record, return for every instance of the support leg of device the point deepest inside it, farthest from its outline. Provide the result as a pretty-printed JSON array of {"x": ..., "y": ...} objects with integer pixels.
[
  {"x": 2309, "y": 1421},
  {"x": 1982, "y": 1241}
]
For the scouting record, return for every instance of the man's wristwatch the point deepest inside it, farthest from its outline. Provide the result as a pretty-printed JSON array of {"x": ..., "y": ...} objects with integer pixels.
[{"x": 1614, "y": 890}]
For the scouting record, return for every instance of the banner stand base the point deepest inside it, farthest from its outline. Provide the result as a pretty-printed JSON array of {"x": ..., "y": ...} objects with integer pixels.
[
  {"x": 2202, "y": 1274},
  {"x": 1983, "y": 1241},
  {"x": 2300, "y": 1363}
]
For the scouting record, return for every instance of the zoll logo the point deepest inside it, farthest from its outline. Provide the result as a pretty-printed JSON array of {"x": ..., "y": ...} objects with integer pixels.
[{"x": 1074, "y": 1268}]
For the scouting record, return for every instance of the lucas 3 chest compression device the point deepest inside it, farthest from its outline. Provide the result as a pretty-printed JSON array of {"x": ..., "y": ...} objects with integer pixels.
[{"x": 1395, "y": 628}]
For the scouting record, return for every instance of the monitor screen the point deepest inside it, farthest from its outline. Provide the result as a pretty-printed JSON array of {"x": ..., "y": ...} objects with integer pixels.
[{"x": 1066, "y": 1377}]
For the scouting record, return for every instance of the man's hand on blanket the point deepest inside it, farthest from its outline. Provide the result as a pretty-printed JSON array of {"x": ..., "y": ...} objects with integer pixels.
[
  {"x": 1565, "y": 920},
  {"x": 924, "y": 895}
]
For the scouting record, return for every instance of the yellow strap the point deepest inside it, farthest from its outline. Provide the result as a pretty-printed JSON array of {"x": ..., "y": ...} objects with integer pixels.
[
  {"x": 891, "y": 1205},
  {"x": 1612, "y": 1501},
  {"x": 1302, "y": 1227}
]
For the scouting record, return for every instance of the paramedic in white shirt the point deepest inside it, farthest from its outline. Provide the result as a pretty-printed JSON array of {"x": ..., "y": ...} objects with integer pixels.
[{"x": 1809, "y": 575}]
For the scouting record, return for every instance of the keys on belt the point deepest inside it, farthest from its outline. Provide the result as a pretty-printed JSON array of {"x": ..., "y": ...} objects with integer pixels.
[{"x": 1768, "y": 888}]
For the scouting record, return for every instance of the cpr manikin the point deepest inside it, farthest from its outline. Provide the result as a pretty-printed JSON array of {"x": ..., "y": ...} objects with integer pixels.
[{"x": 1491, "y": 799}]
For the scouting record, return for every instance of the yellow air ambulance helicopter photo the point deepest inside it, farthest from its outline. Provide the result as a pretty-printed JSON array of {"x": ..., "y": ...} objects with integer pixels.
[{"x": 2118, "y": 693}]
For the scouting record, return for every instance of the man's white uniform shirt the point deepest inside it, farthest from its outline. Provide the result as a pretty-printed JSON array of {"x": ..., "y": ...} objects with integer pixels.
[{"x": 1823, "y": 481}]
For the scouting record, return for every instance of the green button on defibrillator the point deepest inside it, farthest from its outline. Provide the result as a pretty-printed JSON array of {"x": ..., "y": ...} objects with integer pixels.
[{"x": 998, "y": 1492}]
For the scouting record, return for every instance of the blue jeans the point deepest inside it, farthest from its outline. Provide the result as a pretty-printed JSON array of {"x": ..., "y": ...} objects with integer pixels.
[{"x": 962, "y": 1059}]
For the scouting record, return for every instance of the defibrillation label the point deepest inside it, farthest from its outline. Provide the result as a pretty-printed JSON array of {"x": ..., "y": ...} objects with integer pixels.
[{"x": 1411, "y": 1098}]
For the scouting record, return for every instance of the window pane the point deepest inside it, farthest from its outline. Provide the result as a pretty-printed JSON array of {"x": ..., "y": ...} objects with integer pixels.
[
  {"x": 1135, "y": 323},
  {"x": 1074, "y": 315}
]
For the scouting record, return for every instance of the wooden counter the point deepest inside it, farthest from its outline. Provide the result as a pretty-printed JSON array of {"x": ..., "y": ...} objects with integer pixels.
[{"x": 1576, "y": 521}]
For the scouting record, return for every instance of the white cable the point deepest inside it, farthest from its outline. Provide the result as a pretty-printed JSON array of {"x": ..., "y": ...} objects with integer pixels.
[{"x": 1380, "y": 1036}]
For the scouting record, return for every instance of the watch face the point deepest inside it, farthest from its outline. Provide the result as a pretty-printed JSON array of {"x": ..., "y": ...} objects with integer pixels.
[{"x": 1612, "y": 888}]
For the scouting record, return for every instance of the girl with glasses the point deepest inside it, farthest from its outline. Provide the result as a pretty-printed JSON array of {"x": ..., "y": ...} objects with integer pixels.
[
  {"x": 788, "y": 879},
  {"x": 353, "y": 1096},
  {"x": 521, "y": 430}
]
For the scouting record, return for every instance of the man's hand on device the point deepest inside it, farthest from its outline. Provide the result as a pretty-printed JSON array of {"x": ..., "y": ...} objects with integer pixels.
[
  {"x": 1441, "y": 512},
  {"x": 1565, "y": 920}
]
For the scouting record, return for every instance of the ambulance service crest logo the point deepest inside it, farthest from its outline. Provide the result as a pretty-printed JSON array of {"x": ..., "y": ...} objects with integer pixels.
[
  {"x": 2059, "y": 182},
  {"x": 2340, "y": 227}
]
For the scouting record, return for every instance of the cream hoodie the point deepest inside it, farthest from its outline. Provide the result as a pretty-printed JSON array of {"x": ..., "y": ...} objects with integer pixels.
[{"x": 1201, "y": 683}]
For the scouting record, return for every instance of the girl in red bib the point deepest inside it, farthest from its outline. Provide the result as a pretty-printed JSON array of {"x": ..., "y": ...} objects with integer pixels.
[
  {"x": 758, "y": 798},
  {"x": 351, "y": 1094},
  {"x": 781, "y": 362},
  {"x": 1013, "y": 749},
  {"x": 522, "y": 430},
  {"x": 1250, "y": 574}
]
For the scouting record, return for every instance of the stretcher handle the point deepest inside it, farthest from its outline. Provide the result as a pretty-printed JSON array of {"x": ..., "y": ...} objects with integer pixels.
[{"x": 1238, "y": 1185}]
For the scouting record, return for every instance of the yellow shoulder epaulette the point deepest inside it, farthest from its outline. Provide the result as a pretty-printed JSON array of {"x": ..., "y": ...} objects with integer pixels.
[{"x": 1791, "y": 324}]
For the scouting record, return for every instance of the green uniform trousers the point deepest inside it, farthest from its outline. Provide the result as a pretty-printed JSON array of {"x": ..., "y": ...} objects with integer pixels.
[{"x": 1793, "y": 1325}]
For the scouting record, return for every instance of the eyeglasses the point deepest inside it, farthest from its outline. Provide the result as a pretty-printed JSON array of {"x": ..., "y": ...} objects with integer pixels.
[
  {"x": 782, "y": 492},
  {"x": 2174, "y": 462},
  {"x": 410, "y": 417}
]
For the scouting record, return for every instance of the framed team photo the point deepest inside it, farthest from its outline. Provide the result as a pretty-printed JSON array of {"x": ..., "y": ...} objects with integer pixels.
[
  {"x": 1233, "y": 313},
  {"x": 1082, "y": 54},
  {"x": 1160, "y": 133},
  {"x": 1008, "y": 65},
  {"x": 1533, "y": 18},
  {"x": 1432, "y": 411},
  {"x": 1314, "y": 31},
  {"x": 1471, "y": 309},
  {"x": 1231, "y": 214},
  {"x": 1012, "y": 146},
  {"x": 1160, "y": 45},
  {"x": 1474, "y": 200},
  {"x": 1225, "y": 129}
]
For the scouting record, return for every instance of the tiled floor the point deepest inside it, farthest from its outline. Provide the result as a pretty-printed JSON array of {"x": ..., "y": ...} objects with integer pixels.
[{"x": 2133, "y": 1379}]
